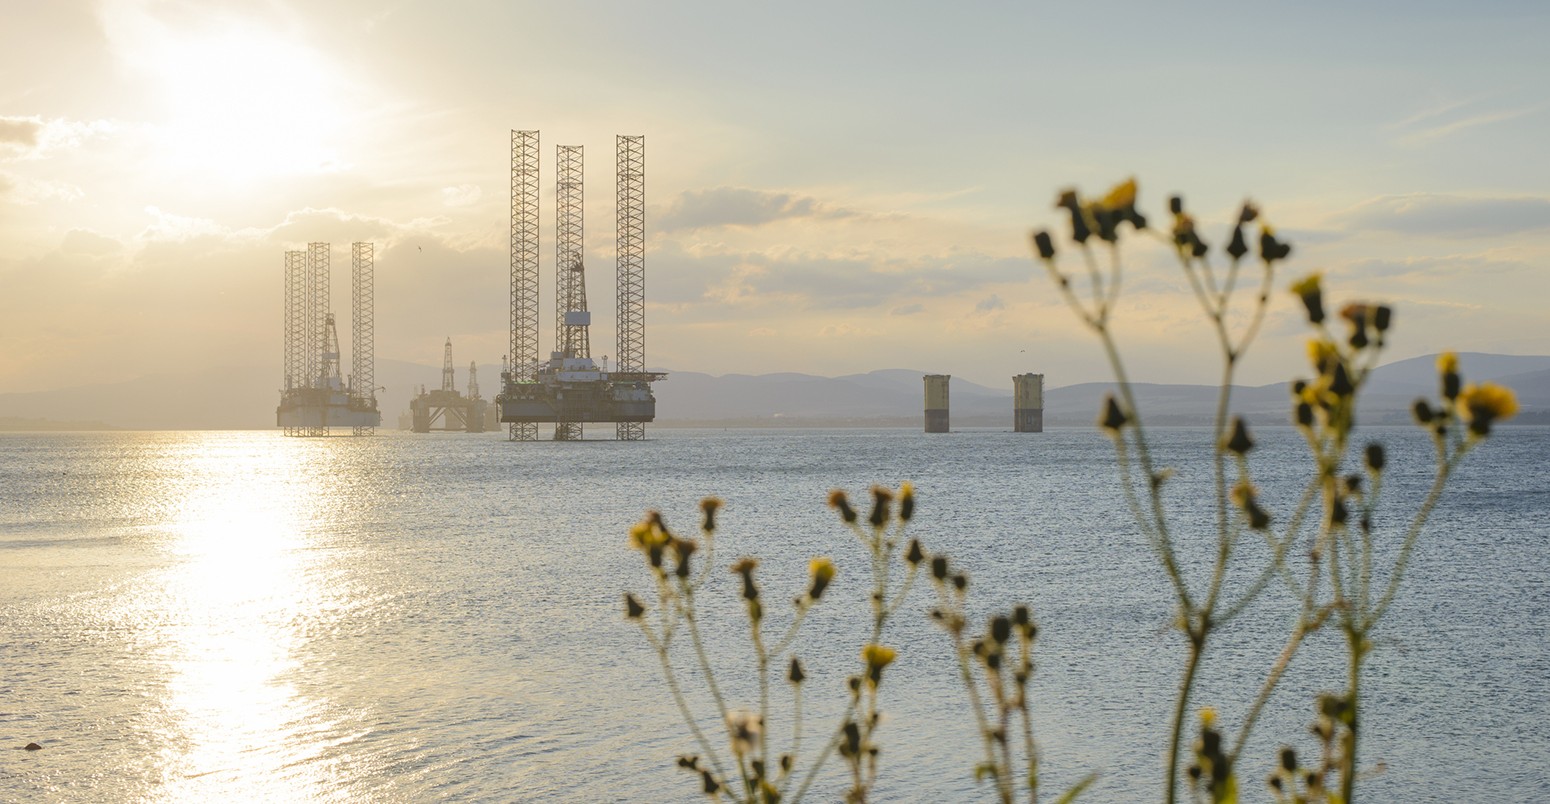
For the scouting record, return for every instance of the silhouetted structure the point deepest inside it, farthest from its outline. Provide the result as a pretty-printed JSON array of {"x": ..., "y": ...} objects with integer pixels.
[
  {"x": 936, "y": 402},
  {"x": 315, "y": 397},
  {"x": 446, "y": 410},
  {"x": 570, "y": 389},
  {"x": 1028, "y": 403}
]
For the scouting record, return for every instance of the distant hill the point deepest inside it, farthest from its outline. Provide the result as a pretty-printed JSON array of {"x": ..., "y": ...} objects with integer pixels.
[{"x": 245, "y": 398}]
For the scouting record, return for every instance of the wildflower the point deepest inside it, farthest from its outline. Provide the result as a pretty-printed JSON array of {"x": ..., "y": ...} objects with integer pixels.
[
  {"x": 1448, "y": 367},
  {"x": 906, "y": 501},
  {"x": 1079, "y": 228},
  {"x": 915, "y": 554},
  {"x": 1239, "y": 442},
  {"x": 1237, "y": 247},
  {"x": 880, "y": 499},
  {"x": 746, "y": 731},
  {"x": 822, "y": 571},
  {"x": 1359, "y": 316},
  {"x": 876, "y": 657},
  {"x": 1423, "y": 412},
  {"x": 1121, "y": 195},
  {"x": 1304, "y": 415},
  {"x": 745, "y": 568},
  {"x": 837, "y": 500},
  {"x": 1271, "y": 249},
  {"x": 1043, "y": 244},
  {"x": 1382, "y": 317},
  {"x": 1113, "y": 417},
  {"x": 1486, "y": 403},
  {"x": 1375, "y": 457},
  {"x": 710, "y": 505},
  {"x": 795, "y": 674},
  {"x": 1323, "y": 355},
  {"x": 632, "y": 607},
  {"x": 1312, "y": 296},
  {"x": 939, "y": 568},
  {"x": 684, "y": 548},
  {"x": 1185, "y": 238},
  {"x": 1120, "y": 203},
  {"x": 1000, "y": 628},
  {"x": 1246, "y": 497}
]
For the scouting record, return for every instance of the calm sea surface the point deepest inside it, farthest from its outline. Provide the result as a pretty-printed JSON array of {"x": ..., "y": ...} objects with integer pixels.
[{"x": 244, "y": 617}]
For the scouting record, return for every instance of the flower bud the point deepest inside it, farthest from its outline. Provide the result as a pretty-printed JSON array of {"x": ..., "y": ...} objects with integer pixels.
[
  {"x": 838, "y": 500},
  {"x": 1239, "y": 442},
  {"x": 1113, "y": 417},
  {"x": 1375, "y": 457},
  {"x": 709, "y": 506},
  {"x": 1043, "y": 244}
]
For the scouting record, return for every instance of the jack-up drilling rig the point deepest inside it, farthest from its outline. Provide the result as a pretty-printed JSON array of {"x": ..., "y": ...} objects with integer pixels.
[
  {"x": 570, "y": 388},
  {"x": 315, "y": 397}
]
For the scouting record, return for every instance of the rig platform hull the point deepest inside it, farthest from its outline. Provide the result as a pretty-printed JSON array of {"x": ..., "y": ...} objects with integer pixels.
[{"x": 309, "y": 408}]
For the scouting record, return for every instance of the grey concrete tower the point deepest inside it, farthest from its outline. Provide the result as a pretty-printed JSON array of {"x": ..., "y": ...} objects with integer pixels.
[
  {"x": 936, "y": 402},
  {"x": 1028, "y": 403}
]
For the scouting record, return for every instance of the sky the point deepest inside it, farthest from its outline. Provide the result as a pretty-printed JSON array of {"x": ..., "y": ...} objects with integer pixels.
[{"x": 832, "y": 187}]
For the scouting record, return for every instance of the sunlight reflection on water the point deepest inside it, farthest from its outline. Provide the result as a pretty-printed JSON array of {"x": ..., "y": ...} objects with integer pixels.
[{"x": 206, "y": 616}]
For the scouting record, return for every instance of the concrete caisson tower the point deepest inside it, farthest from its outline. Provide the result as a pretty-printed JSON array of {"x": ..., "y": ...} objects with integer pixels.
[
  {"x": 936, "y": 402},
  {"x": 1028, "y": 403}
]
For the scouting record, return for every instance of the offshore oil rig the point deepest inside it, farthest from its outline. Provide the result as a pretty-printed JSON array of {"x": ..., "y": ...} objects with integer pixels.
[
  {"x": 446, "y": 410},
  {"x": 569, "y": 388},
  {"x": 315, "y": 397}
]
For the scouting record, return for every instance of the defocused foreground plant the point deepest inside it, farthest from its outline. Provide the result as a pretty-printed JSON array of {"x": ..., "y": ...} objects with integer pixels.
[{"x": 1335, "y": 523}]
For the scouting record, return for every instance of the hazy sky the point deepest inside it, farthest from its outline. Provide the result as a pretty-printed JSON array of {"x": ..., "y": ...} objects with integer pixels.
[{"x": 832, "y": 187}]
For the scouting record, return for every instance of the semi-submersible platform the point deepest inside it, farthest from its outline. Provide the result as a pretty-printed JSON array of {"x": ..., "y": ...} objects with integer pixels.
[{"x": 570, "y": 388}]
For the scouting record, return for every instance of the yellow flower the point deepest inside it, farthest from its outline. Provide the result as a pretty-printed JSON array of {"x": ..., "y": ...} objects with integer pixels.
[
  {"x": 1308, "y": 284},
  {"x": 1447, "y": 363},
  {"x": 1207, "y": 717},
  {"x": 878, "y": 656},
  {"x": 1312, "y": 295},
  {"x": 1121, "y": 196},
  {"x": 1323, "y": 355},
  {"x": 1486, "y": 403},
  {"x": 822, "y": 571}
]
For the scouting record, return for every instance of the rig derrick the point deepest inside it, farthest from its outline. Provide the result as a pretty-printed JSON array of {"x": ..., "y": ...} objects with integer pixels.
[{"x": 570, "y": 388}]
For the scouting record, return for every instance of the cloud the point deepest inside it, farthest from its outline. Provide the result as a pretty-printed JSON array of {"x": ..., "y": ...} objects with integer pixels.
[
  {"x": 1449, "y": 215},
  {"x": 462, "y": 195},
  {"x": 1449, "y": 265},
  {"x": 990, "y": 304},
  {"x": 335, "y": 225},
  {"x": 908, "y": 309},
  {"x": 817, "y": 280},
  {"x": 83, "y": 241},
  {"x": 739, "y": 206},
  {"x": 35, "y": 138},
  {"x": 166, "y": 226},
  {"x": 20, "y": 132}
]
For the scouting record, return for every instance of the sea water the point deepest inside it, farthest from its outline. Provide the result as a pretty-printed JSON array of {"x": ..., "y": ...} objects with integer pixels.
[{"x": 202, "y": 616}]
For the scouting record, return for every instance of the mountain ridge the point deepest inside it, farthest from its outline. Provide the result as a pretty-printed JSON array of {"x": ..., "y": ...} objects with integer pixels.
[{"x": 235, "y": 397}]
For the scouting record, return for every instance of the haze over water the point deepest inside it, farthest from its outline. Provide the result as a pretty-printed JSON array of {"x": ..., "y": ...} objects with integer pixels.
[{"x": 236, "y": 615}]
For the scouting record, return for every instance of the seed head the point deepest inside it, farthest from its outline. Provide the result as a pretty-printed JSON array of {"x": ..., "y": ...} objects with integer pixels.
[{"x": 838, "y": 501}]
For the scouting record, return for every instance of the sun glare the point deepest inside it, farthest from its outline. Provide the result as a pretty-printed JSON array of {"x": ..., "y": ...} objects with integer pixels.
[{"x": 242, "y": 104}]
